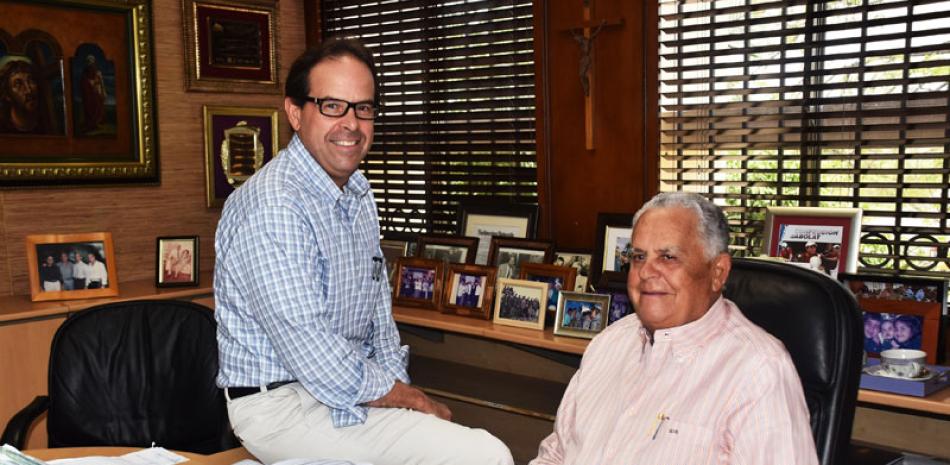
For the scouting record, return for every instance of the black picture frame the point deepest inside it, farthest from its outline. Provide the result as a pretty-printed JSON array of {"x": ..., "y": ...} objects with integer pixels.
[
  {"x": 177, "y": 261},
  {"x": 428, "y": 242},
  {"x": 614, "y": 283},
  {"x": 605, "y": 223},
  {"x": 506, "y": 245}
]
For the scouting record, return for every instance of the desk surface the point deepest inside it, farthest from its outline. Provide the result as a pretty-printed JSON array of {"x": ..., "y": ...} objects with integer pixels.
[
  {"x": 937, "y": 403},
  {"x": 227, "y": 457}
]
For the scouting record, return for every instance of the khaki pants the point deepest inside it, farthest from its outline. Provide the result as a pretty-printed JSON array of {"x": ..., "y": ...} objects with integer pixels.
[{"x": 288, "y": 422}]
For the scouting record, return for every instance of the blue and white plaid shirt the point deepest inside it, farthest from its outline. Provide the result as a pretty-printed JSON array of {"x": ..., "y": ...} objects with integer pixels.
[{"x": 298, "y": 289}]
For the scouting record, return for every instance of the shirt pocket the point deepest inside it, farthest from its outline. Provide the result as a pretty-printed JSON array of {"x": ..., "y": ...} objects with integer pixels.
[{"x": 681, "y": 442}]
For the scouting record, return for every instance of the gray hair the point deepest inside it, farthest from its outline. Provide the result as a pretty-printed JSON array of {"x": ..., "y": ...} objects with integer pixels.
[{"x": 713, "y": 226}]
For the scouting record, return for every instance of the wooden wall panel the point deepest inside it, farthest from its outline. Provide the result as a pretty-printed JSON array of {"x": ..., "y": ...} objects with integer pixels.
[
  {"x": 137, "y": 215},
  {"x": 610, "y": 178}
]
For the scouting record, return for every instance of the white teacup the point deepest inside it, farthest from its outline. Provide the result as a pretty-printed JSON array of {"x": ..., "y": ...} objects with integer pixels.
[{"x": 906, "y": 363}]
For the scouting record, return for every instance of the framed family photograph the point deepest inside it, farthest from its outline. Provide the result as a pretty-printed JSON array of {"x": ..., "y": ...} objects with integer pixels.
[
  {"x": 176, "y": 261},
  {"x": 580, "y": 261},
  {"x": 485, "y": 221},
  {"x": 520, "y": 303},
  {"x": 418, "y": 282},
  {"x": 558, "y": 279},
  {"x": 449, "y": 249},
  {"x": 71, "y": 266},
  {"x": 90, "y": 117},
  {"x": 238, "y": 142},
  {"x": 614, "y": 284},
  {"x": 469, "y": 290},
  {"x": 581, "y": 315},
  {"x": 611, "y": 244},
  {"x": 509, "y": 254},
  {"x": 822, "y": 239},
  {"x": 392, "y": 250},
  {"x": 900, "y": 312},
  {"x": 230, "y": 45}
]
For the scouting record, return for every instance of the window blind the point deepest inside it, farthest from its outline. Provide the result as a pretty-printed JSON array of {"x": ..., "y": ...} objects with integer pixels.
[
  {"x": 813, "y": 103},
  {"x": 458, "y": 105}
]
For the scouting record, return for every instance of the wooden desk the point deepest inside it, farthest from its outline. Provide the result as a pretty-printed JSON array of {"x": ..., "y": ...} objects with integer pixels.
[
  {"x": 227, "y": 457},
  {"x": 27, "y": 329}
]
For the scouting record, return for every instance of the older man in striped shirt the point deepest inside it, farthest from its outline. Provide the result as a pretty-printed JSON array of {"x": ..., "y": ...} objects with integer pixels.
[{"x": 687, "y": 379}]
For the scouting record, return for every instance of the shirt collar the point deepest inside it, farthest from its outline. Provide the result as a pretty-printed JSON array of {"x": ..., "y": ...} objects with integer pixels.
[
  {"x": 686, "y": 340},
  {"x": 357, "y": 186}
]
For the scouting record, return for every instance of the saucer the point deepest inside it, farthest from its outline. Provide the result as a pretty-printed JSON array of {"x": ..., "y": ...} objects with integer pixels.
[{"x": 878, "y": 370}]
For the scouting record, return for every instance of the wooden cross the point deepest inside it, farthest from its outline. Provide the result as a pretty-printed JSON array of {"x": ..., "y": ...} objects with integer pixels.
[{"x": 584, "y": 35}]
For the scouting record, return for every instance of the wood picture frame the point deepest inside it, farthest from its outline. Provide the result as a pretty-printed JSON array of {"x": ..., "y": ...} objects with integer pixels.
[
  {"x": 615, "y": 228},
  {"x": 614, "y": 284},
  {"x": 508, "y": 254},
  {"x": 484, "y": 221},
  {"x": 242, "y": 138},
  {"x": 520, "y": 303},
  {"x": 392, "y": 250},
  {"x": 912, "y": 306},
  {"x": 231, "y": 46},
  {"x": 558, "y": 279},
  {"x": 835, "y": 233},
  {"x": 94, "y": 122},
  {"x": 418, "y": 282},
  {"x": 469, "y": 290},
  {"x": 581, "y": 314},
  {"x": 93, "y": 252},
  {"x": 448, "y": 248},
  {"x": 177, "y": 261}
]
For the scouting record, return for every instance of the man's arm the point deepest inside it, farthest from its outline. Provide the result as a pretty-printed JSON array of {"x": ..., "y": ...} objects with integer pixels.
[{"x": 772, "y": 427}]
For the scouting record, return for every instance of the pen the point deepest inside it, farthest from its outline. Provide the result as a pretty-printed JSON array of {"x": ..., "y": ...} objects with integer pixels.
[
  {"x": 377, "y": 267},
  {"x": 660, "y": 418}
]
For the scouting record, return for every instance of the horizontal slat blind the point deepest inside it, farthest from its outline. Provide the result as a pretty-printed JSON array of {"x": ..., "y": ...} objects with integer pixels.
[
  {"x": 814, "y": 103},
  {"x": 458, "y": 104}
]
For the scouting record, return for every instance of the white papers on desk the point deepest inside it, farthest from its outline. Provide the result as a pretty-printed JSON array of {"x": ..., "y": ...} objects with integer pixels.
[
  {"x": 149, "y": 456},
  {"x": 304, "y": 462}
]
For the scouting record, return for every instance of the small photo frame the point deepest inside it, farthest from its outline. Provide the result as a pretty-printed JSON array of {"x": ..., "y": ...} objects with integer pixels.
[
  {"x": 230, "y": 45},
  {"x": 469, "y": 290},
  {"x": 238, "y": 142},
  {"x": 485, "y": 221},
  {"x": 392, "y": 250},
  {"x": 71, "y": 266},
  {"x": 579, "y": 260},
  {"x": 509, "y": 254},
  {"x": 614, "y": 284},
  {"x": 822, "y": 239},
  {"x": 900, "y": 312},
  {"x": 449, "y": 249},
  {"x": 611, "y": 244},
  {"x": 520, "y": 303},
  {"x": 558, "y": 279},
  {"x": 176, "y": 261},
  {"x": 418, "y": 282},
  {"x": 581, "y": 315}
]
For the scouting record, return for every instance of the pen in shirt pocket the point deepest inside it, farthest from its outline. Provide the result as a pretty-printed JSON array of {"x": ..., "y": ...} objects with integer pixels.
[
  {"x": 377, "y": 268},
  {"x": 660, "y": 419}
]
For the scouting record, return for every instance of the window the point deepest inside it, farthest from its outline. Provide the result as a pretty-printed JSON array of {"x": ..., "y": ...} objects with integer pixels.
[
  {"x": 813, "y": 103},
  {"x": 457, "y": 117}
]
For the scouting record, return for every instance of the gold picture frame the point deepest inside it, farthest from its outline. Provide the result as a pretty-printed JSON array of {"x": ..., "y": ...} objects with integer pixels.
[
  {"x": 230, "y": 46},
  {"x": 224, "y": 128},
  {"x": 95, "y": 122},
  {"x": 520, "y": 303},
  {"x": 49, "y": 284}
]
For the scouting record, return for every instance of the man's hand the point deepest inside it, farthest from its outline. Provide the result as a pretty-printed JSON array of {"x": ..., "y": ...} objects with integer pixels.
[{"x": 405, "y": 396}]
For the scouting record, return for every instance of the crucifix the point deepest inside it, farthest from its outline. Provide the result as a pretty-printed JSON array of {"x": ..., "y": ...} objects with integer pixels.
[{"x": 584, "y": 35}]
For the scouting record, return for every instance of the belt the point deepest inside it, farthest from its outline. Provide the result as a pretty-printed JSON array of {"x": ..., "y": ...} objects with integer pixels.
[{"x": 238, "y": 392}]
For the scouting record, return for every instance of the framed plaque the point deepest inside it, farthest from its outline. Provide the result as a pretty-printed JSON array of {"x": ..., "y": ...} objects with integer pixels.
[{"x": 238, "y": 142}]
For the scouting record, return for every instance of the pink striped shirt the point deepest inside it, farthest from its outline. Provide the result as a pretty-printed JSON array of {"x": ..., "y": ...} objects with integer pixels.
[{"x": 719, "y": 390}]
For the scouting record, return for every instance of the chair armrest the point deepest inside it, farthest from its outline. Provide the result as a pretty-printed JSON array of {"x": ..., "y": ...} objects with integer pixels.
[{"x": 19, "y": 426}]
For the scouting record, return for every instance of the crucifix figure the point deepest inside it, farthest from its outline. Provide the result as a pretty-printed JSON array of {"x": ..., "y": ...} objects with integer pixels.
[{"x": 584, "y": 36}]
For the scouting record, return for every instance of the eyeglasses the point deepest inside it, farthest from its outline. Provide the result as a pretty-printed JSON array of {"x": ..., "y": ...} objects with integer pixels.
[{"x": 336, "y": 108}]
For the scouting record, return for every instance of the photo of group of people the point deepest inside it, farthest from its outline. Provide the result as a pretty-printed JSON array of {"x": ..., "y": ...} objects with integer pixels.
[
  {"x": 884, "y": 331},
  {"x": 817, "y": 247},
  {"x": 72, "y": 266},
  {"x": 617, "y": 249},
  {"x": 580, "y": 262},
  {"x": 555, "y": 286},
  {"x": 892, "y": 291},
  {"x": 520, "y": 303},
  {"x": 468, "y": 290},
  {"x": 582, "y": 315},
  {"x": 620, "y": 306},
  {"x": 416, "y": 283}
]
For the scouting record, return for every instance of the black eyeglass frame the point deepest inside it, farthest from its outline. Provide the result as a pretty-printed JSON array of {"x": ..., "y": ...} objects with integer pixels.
[{"x": 319, "y": 103}]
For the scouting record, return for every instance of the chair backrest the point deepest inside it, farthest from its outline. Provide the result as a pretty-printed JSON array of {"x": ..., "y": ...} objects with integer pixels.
[
  {"x": 819, "y": 322},
  {"x": 133, "y": 373}
]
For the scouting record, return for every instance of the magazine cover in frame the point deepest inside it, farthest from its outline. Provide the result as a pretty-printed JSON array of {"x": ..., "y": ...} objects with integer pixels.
[{"x": 821, "y": 239}]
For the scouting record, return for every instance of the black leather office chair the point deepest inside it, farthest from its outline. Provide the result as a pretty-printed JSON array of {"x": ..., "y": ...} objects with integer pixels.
[
  {"x": 819, "y": 322},
  {"x": 130, "y": 374}
]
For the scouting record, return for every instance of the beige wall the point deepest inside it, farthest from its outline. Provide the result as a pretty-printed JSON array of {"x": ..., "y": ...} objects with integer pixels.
[{"x": 137, "y": 215}]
